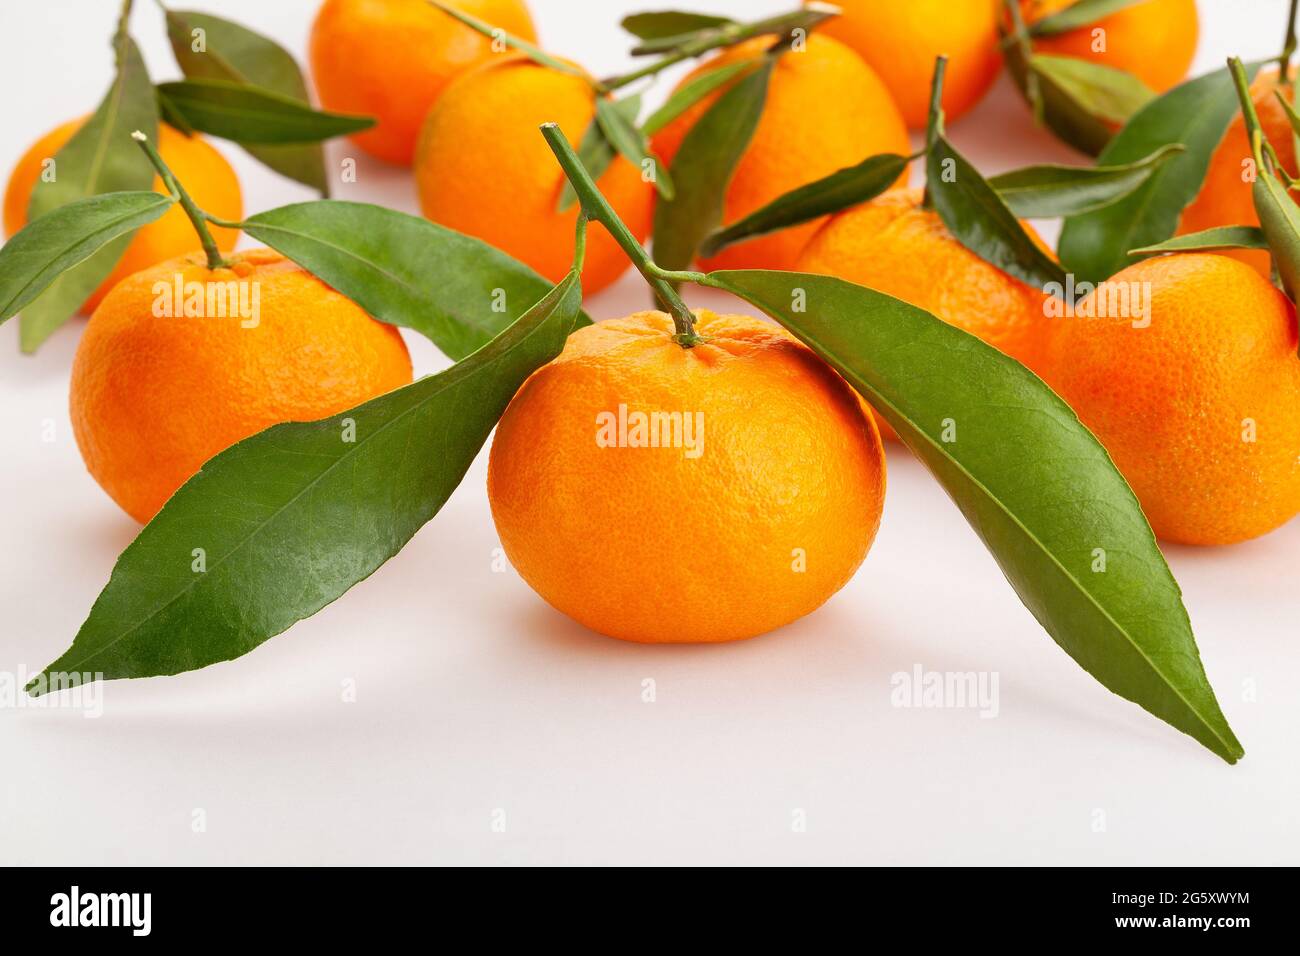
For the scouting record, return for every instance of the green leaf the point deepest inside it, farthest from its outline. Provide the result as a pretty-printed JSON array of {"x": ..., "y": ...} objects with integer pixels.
[
  {"x": 458, "y": 291},
  {"x": 100, "y": 158},
  {"x": 1279, "y": 220},
  {"x": 1289, "y": 108},
  {"x": 670, "y": 23},
  {"x": 45, "y": 249},
  {"x": 1102, "y": 91},
  {"x": 172, "y": 116},
  {"x": 1070, "y": 120},
  {"x": 1049, "y": 190},
  {"x": 1209, "y": 240},
  {"x": 1036, "y": 486},
  {"x": 1079, "y": 14},
  {"x": 251, "y": 115},
  {"x": 623, "y": 135},
  {"x": 981, "y": 221},
  {"x": 831, "y": 194},
  {"x": 703, "y": 168},
  {"x": 294, "y": 516},
  {"x": 235, "y": 53},
  {"x": 693, "y": 91},
  {"x": 1094, "y": 245}
]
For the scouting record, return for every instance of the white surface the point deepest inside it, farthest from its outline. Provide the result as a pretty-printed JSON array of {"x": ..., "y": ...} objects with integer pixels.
[{"x": 473, "y": 696}]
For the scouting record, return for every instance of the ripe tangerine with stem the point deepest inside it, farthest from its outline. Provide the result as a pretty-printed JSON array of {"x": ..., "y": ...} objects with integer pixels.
[
  {"x": 753, "y": 506},
  {"x": 156, "y": 392},
  {"x": 194, "y": 159}
]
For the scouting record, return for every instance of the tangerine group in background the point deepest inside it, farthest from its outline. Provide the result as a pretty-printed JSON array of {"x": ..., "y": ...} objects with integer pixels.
[
  {"x": 757, "y": 520},
  {"x": 826, "y": 109},
  {"x": 212, "y": 183},
  {"x": 483, "y": 169},
  {"x": 154, "y": 397},
  {"x": 1197, "y": 401},
  {"x": 901, "y": 41},
  {"x": 1155, "y": 40},
  {"x": 392, "y": 60}
]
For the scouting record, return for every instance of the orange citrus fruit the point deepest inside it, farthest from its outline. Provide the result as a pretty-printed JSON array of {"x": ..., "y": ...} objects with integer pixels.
[
  {"x": 661, "y": 494},
  {"x": 483, "y": 168},
  {"x": 1200, "y": 409},
  {"x": 1226, "y": 198},
  {"x": 391, "y": 59},
  {"x": 167, "y": 375},
  {"x": 893, "y": 245},
  {"x": 1155, "y": 40},
  {"x": 901, "y": 41},
  {"x": 826, "y": 109},
  {"x": 207, "y": 177}
]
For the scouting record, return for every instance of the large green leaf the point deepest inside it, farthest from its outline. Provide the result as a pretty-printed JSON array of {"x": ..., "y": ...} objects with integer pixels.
[
  {"x": 1095, "y": 245},
  {"x": 1209, "y": 240},
  {"x": 100, "y": 158},
  {"x": 458, "y": 291},
  {"x": 974, "y": 213},
  {"x": 668, "y": 24},
  {"x": 290, "y": 519},
  {"x": 252, "y": 115},
  {"x": 703, "y": 168},
  {"x": 1050, "y": 190},
  {"x": 1035, "y": 485},
  {"x": 830, "y": 194},
  {"x": 60, "y": 240},
  {"x": 233, "y": 52},
  {"x": 1073, "y": 121},
  {"x": 692, "y": 91},
  {"x": 1103, "y": 92}
]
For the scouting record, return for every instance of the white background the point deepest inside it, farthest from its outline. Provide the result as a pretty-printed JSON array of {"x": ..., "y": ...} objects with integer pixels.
[{"x": 474, "y": 697}]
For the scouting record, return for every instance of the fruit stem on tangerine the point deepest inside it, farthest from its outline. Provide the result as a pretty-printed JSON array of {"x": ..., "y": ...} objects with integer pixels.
[
  {"x": 595, "y": 206},
  {"x": 197, "y": 216},
  {"x": 934, "y": 128}
]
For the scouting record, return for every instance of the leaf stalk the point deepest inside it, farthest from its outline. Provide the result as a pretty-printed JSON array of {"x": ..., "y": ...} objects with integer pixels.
[
  {"x": 198, "y": 218},
  {"x": 595, "y": 206}
]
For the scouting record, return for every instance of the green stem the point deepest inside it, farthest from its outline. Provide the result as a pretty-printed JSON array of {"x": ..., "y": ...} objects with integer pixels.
[
  {"x": 1254, "y": 130},
  {"x": 1025, "y": 48},
  {"x": 580, "y": 242},
  {"x": 730, "y": 34},
  {"x": 1288, "y": 50},
  {"x": 197, "y": 216},
  {"x": 598, "y": 208},
  {"x": 934, "y": 128}
]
